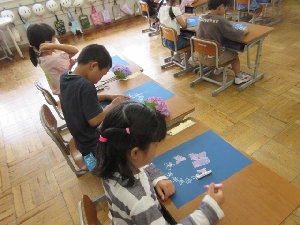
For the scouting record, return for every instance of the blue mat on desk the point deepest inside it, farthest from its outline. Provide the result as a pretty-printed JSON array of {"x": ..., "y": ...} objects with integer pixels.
[
  {"x": 148, "y": 89},
  {"x": 192, "y": 21},
  {"x": 207, "y": 151},
  {"x": 117, "y": 60},
  {"x": 144, "y": 91}
]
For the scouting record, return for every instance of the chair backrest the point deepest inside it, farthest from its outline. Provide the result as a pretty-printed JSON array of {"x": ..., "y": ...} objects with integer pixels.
[
  {"x": 89, "y": 211},
  {"x": 244, "y": 2},
  {"x": 205, "y": 46},
  {"x": 169, "y": 34},
  {"x": 48, "y": 96},
  {"x": 145, "y": 8},
  {"x": 50, "y": 124}
]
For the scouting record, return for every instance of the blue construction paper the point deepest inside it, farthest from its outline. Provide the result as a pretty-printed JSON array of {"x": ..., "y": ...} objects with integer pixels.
[
  {"x": 223, "y": 159},
  {"x": 117, "y": 60},
  {"x": 146, "y": 90},
  {"x": 239, "y": 26},
  {"x": 192, "y": 21}
]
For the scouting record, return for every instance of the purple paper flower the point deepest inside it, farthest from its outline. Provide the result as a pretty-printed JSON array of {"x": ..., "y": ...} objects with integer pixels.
[
  {"x": 158, "y": 104},
  {"x": 121, "y": 71}
]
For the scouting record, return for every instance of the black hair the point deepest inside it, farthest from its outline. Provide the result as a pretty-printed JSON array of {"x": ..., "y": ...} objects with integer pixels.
[
  {"x": 214, "y": 4},
  {"x": 146, "y": 126},
  {"x": 37, "y": 34},
  {"x": 171, "y": 13},
  {"x": 96, "y": 53}
]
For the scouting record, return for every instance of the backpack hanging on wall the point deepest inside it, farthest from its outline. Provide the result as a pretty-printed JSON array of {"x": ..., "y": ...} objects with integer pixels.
[
  {"x": 105, "y": 14},
  {"x": 84, "y": 20},
  {"x": 125, "y": 9},
  {"x": 59, "y": 26},
  {"x": 95, "y": 17},
  {"x": 116, "y": 10},
  {"x": 137, "y": 10}
]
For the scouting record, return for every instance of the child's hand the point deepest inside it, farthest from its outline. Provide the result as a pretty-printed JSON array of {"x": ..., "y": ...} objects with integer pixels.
[
  {"x": 164, "y": 189},
  {"x": 118, "y": 99},
  {"x": 47, "y": 46},
  {"x": 246, "y": 30},
  {"x": 72, "y": 63},
  {"x": 216, "y": 193}
]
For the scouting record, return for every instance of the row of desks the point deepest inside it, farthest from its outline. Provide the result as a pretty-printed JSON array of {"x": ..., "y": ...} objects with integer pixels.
[{"x": 254, "y": 195}]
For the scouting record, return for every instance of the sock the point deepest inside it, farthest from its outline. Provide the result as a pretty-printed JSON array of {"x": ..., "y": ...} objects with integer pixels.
[{"x": 239, "y": 75}]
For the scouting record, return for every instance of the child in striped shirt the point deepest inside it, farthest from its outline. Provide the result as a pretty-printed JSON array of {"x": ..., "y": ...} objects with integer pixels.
[{"x": 130, "y": 133}]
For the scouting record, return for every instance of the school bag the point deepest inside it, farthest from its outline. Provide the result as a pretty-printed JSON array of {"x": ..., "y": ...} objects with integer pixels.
[
  {"x": 59, "y": 26},
  {"x": 74, "y": 26},
  {"x": 125, "y": 9},
  {"x": 137, "y": 10},
  {"x": 105, "y": 14},
  {"x": 84, "y": 20},
  {"x": 95, "y": 17},
  {"x": 116, "y": 10}
]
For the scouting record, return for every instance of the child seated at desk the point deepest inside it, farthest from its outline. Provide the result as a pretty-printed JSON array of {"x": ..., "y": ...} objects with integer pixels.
[
  {"x": 79, "y": 100},
  {"x": 128, "y": 138},
  {"x": 253, "y": 6},
  {"x": 153, "y": 6},
  {"x": 214, "y": 26}
]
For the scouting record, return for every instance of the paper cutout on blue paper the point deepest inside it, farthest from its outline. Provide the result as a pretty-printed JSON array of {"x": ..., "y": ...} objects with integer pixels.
[
  {"x": 192, "y": 21},
  {"x": 146, "y": 90},
  {"x": 239, "y": 26},
  {"x": 205, "y": 152},
  {"x": 117, "y": 60}
]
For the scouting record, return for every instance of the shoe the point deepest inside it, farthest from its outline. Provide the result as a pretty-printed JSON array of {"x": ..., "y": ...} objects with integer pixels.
[
  {"x": 176, "y": 58},
  {"x": 218, "y": 71},
  {"x": 243, "y": 79},
  {"x": 192, "y": 62},
  {"x": 259, "y": 18}
]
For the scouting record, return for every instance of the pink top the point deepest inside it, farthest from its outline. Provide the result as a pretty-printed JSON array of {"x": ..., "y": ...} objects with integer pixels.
[
  {"x": 184, "y": 3},
  {"x": 53, "y": 66}
]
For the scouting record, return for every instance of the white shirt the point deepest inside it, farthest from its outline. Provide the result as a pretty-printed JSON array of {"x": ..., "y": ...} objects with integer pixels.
[{"x": 165, "y": 19}]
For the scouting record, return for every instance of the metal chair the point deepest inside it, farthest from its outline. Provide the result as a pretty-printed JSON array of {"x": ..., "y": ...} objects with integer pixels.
[
  {"x": 245, "y": 12},
  {"x": 145, "y": 12},
  {"x": 211, "y": 48},
  {"x": 68, "y": 149},
  {"x": 171, "y": 35},
  {"x": 49, "y": 98},
  {"x": 87, "y": 210}
]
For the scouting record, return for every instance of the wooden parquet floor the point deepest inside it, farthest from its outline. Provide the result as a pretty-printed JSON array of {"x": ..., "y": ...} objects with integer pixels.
[{"x": 38, "y": 187}]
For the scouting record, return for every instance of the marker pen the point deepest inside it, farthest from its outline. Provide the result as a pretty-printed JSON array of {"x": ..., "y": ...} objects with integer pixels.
[{"x": 216, "y": 186}]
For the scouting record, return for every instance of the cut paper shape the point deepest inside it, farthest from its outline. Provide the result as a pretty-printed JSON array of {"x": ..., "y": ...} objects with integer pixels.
[
  {"x": 225, "y": 161},
  {"x": 117, "y": 60}
]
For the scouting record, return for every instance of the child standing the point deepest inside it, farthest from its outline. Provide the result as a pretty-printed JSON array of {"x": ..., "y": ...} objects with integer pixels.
[
  {"x": 130, "y": 133},
  {"x": 79, "y": 100},
  {"x": 214, "y": 26},
  {"x": 42, "y": 51}
]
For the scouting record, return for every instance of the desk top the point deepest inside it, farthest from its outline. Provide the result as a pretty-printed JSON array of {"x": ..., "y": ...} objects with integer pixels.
[
  {"x": 197, "y": 3},
  {"x": 255, "y": 195},
  {"x": 4, "y": 21},
  {"x": 255, "y": 32},
  {"x": 178, "y": 106}
]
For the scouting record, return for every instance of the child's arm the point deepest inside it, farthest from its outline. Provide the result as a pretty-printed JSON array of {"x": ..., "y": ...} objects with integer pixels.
[
  {"x": 70, "y": 49},
  {"x": 181, "y": 20}
]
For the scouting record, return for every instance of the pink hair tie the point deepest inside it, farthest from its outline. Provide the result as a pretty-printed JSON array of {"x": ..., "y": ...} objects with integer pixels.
[
  {"x": 127, "y": 130},
  {"x": 102, "y": 139}
]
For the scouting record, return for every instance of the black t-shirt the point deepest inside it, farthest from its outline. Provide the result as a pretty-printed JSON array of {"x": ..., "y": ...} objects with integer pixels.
[{"x": 79, "y": 104}]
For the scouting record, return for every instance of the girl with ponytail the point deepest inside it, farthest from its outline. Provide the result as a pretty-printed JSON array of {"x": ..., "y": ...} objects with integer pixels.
[{"x": 42, "y": 51}]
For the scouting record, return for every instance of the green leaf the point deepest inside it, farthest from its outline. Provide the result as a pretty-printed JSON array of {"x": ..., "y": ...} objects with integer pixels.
[
  {"x": 151, "y": 105},
  {"x": 120, "y": 75}
]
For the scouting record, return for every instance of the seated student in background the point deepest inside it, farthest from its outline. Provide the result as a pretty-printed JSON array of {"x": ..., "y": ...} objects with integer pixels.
[
  {"x": 253, "y": 6},
  {"x": 214, "y": 26},
  {"x": 153, "y": 6},
  {"x": 171, "y": 16},
  {"x": 79, "y": 100},
  {"x": 54, "y": 58},
  {"x": 128, "y": 138}
]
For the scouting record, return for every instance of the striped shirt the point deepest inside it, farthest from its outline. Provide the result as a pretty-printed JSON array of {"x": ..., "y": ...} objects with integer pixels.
[{"x": 139, "y": 204}]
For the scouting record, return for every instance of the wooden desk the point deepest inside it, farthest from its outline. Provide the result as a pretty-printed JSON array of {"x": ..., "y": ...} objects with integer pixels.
[
  {"x": 178, "y": 106},
  {"x": 253, "y": 196},
  {"x": 196, "y": 6},
  {"x": 256, "y": 36}
]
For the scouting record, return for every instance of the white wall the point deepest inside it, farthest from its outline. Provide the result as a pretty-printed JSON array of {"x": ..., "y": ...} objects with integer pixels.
[{"x": 49, "y": 18}]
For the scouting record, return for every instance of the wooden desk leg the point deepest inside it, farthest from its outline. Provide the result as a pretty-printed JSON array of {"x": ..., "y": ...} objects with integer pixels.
[
  {"x": 255, "y": 76},
  {"x": 14, "y": 41}
]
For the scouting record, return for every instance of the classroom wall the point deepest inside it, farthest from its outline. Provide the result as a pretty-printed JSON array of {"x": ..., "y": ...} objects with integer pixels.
[{"x": 49, "y": 17}]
